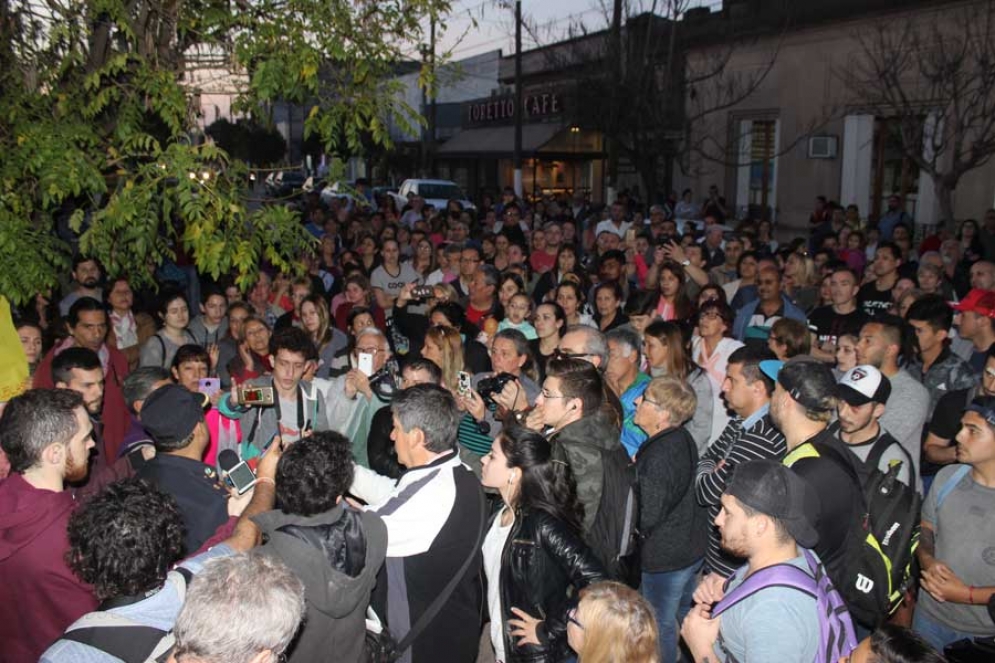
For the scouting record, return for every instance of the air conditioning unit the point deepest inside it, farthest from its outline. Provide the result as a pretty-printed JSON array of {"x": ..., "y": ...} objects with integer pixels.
[{"x": 822, "y": 147}]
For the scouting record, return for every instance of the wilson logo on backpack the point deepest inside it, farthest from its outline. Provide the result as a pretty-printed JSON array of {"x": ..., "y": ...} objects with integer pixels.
[{"x": 864, "y": 584}]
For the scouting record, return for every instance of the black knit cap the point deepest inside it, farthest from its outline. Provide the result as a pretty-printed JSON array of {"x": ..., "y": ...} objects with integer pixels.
[{"x": 774, "y": 490}]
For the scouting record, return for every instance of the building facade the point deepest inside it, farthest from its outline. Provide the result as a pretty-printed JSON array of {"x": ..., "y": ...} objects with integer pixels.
[{"x": 804, "y": 132}]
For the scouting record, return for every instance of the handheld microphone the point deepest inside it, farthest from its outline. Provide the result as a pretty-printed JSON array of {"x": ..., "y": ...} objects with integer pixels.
[
  {"x": 227, "y": 460},
  {"x": 237, "y": 473}
]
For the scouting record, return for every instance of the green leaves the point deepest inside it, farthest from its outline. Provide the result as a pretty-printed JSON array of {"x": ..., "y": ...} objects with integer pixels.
[{"x": 98, "y": 124}]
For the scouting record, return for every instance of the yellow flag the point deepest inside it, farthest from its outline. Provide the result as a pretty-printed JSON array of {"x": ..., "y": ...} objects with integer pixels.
[{"x": 14, "y": 377}]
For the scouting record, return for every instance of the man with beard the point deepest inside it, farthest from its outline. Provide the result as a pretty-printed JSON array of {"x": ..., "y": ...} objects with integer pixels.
[
  {"x": 803, "y": 402},
  {"x": 764, "y": 521},
  {"x": 87, "y": 327},
  {"x": 862, "y": 393},
  {"x": 86, "y": 276},
  {"x": 78, "y": 369},
  {"x": 46, "y": 434}
]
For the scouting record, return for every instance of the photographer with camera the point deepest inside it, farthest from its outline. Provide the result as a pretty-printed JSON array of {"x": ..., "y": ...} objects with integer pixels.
[
  {"x": 283, "y": 404},
  {"x": 494, "y": 394}
]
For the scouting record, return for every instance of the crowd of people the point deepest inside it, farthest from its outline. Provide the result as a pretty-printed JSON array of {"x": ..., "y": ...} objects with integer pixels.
[{"x": 521, "y": 432}]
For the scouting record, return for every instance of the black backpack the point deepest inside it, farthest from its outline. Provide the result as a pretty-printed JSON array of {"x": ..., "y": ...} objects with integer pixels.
[
  {"x": 614, "y": 536},
  {"x": 118, "y": 636},
  {"x": 878, "y": 566}
]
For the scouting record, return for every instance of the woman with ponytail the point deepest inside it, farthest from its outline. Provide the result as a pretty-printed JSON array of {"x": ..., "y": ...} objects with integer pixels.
[{"x": 533, "y": 552}]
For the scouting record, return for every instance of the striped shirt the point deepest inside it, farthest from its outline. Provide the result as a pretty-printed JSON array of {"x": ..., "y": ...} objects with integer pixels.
[{"x": 742, "y": 440}]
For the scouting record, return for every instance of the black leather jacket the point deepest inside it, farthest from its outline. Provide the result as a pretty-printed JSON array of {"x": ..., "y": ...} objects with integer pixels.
[{"x": 542, "y": 559}]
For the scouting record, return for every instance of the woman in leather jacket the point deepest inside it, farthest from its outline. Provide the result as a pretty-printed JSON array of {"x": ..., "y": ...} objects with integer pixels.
[{"x": 533, "y": 552}]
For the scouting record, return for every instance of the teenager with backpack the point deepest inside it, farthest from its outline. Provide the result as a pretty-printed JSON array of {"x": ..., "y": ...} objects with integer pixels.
[
  {"x": 781, "y": 606},
  {"x": 672, "y": 526},
  {"x": 956, "y": 551},
  {"x": 863, "y": 392}
]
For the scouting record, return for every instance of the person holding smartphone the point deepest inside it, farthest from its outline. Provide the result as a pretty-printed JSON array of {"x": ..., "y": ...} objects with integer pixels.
[{"x": 351, "y": 399}]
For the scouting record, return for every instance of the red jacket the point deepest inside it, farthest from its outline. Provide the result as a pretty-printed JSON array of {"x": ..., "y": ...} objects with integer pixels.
[
  {"x": 115, "y": 417},
  {"x": 41, "y": 595}
]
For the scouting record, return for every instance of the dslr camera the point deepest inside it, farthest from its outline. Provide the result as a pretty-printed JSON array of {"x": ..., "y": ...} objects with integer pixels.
[{"x": 490, "y": 387}]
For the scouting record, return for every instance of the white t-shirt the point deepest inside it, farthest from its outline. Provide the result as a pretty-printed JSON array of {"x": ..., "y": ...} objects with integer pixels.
[{"x": 492, "y": 549}]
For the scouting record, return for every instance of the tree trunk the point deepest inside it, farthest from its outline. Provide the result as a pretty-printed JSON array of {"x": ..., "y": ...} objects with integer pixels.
[
  {"x": 945, "y": 199},
  {"x": 647, "y": 166}
]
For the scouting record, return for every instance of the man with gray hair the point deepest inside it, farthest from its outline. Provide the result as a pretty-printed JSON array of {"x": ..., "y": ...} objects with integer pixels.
[
  {"x": 626, "y": 381},
  {"x": 584, "y": 342},
  {"x": 435, "y": 524},
  {"x": 353, "y": 398},
  {"x": 262, "y": 603}
]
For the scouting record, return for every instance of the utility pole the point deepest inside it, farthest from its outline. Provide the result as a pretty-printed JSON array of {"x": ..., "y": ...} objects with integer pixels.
[
  {"x": 432, "y": 117},
  {"x": 518, "y": 98},
  {"x": 615, "y": 49},
  {"x": 428, "y": 104}
]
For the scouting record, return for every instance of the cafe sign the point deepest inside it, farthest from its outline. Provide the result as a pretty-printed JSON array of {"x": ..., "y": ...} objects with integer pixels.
[{"x": 501, "y": 110}]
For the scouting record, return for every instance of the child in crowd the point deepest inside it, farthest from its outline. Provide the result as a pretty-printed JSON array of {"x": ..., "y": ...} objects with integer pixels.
[{"x": 517, "y": 314}]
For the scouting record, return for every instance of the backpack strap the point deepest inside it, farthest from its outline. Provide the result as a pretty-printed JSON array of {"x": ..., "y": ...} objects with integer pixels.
[
  {"x": 116, "y": 635},
  {"x": 778, "y": 575},
  {"x": 437, "y": 604},
  {"x": 877, "y": 452},
  {"x": 951, "y": 483}
]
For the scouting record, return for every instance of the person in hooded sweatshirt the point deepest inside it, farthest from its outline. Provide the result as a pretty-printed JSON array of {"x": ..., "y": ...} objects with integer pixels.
[
  {"x": 334, "y": 549},
  {"x": 47, "y": 436}
]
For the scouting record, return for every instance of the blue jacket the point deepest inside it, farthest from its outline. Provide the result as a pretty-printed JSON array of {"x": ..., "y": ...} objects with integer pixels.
[{"x": 744, "y": 314}]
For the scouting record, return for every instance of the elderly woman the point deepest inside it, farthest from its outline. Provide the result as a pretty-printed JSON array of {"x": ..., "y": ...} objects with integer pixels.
[{"x": 671, "y": 523}]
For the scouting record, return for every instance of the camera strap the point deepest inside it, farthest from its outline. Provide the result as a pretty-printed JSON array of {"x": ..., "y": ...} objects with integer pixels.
[
  {"x": 300, "y": 409},
  {"x": 279, "y": 413}
]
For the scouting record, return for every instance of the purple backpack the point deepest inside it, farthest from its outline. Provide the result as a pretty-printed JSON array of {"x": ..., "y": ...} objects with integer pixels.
[{"x": 836, "y": 634}]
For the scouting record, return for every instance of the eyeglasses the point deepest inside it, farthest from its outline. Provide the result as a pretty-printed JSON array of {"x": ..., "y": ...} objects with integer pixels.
[
  {"x": 572, "y": 618},
  {"x": 566, "y": 354},
  {"x": 652, "y": 402},
  {"x": 546, "y": 395},
  {"x": 369, "y": 351}
]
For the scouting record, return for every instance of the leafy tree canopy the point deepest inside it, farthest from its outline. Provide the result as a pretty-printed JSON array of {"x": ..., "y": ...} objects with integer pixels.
[{"x": 95, "y": 120}]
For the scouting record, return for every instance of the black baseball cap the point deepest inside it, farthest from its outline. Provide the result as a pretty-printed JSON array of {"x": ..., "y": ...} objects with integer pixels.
[
  {"x": 171, "y": 412},
  {"x": 775, "y": 490},
  {"x": 808, "y": 381}
]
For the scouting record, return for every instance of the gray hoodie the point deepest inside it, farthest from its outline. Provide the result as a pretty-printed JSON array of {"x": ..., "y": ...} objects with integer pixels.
[{"x": 337, "y": 555}]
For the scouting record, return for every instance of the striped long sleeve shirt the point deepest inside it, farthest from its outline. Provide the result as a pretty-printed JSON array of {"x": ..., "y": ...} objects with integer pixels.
[{"x": 742, "y": 440}]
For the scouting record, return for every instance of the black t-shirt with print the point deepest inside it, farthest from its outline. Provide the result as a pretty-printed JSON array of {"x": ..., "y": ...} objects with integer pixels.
[
  {"x": 830, "y": 325},
  {"x": 873, "y": 301}
]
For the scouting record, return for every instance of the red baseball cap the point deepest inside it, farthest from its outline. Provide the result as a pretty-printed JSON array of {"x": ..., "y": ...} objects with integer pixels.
[{"x": 977, "y": 301}]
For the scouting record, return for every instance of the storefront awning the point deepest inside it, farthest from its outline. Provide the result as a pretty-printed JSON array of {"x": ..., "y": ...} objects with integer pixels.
[{"x": 498, "y": 141}]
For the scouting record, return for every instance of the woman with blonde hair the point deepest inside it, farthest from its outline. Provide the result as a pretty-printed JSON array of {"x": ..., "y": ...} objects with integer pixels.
[
  {"x": 444, "y": 348},
  {"x": 613, "y": 624},
  {"x": 317, "y": 322},
  {"x": 800, "y": 282}
]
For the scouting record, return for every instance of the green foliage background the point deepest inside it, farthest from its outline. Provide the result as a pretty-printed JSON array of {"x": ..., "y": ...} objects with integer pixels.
[{"x": 95, "y": 120}]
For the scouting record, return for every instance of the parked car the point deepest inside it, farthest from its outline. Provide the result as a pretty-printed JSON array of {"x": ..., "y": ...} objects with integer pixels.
[
  {"x": 436, "y": 192},
  {"x": 285, "y": 183}
]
